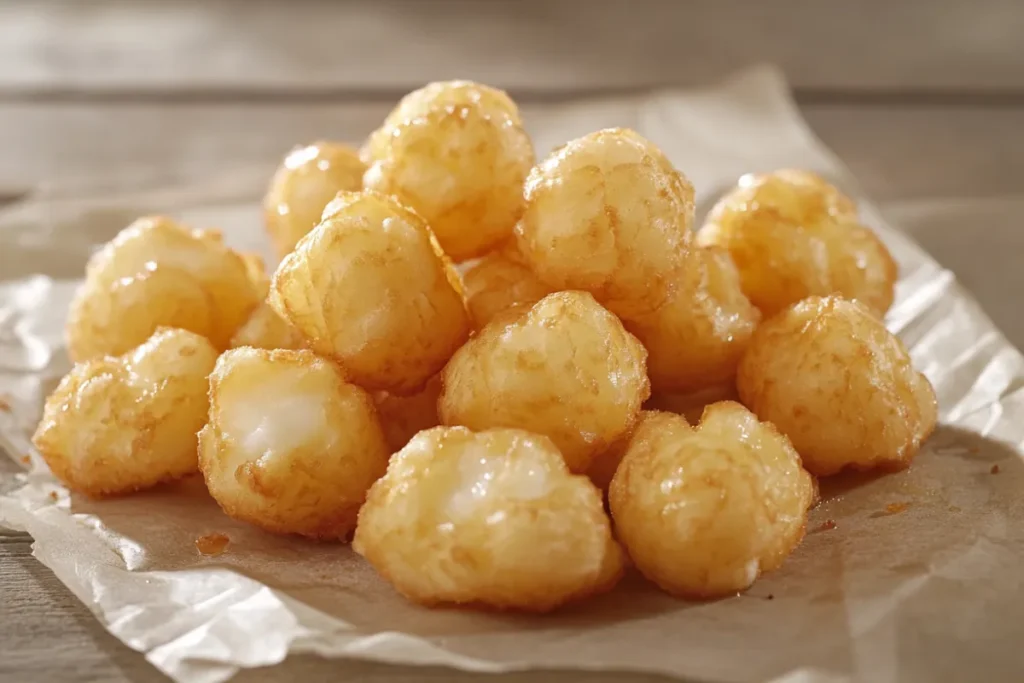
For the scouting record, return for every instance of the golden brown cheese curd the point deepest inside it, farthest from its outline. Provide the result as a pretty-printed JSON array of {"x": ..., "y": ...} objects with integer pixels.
[
  {"x": 370, "y": 288},
  {"x": 792, "y": 235},
  {"x": 156, "y": 273},
  {"x": 290, "y": 445},
  {"x": 456, "y": 152},
  {"x": 498, "y": 282},
  {"x": 491, "y": 518},
  {"x": 402, "y": 417},
  {"x": 307, "y": 180},
  {"x": 697, "y": 337},
  {"x": 564, "y": 368},
  {"x": 607, "y": 213},
  {"x": 703, "y": 511},
  {"x": 120, "y": 424},
  {"x": 839, "y": 385}
]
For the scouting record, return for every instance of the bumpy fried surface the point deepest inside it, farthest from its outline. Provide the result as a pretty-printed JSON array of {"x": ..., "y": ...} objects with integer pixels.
[
  {"x": 704, "y": 510},
  {"x": 564, "y": 368},
  {"x": 607, "y": 213},
  {"x": 290, "y": 446},
  {"x": 489, "y": 518},
  {"x": 498, "y": 282},
  {"x": 696, "y": 338},
  {"x": 121, "y": 424},
  {"x": 307, "y": 180},
  {"x": 156, "y": 273},
  {"x": 829, "y": 375},
  {"x": 456, "y": 152},
  {"x": 370, "y": 288},
  {"x": 792, "y": 235},
  {"x": 402, "y": 417}
]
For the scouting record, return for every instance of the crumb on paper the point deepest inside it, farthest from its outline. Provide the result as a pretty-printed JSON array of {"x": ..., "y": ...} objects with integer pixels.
[
  {"x": 53, "y": 496},
  {"x": 771, "y": 596},
  {"x": 212, "y": 544},
  {"x": 995, "y": 469},
  {"x": 891, "y": 509},
  {"x": 26, "y": 460},
  {"x": 827, "y": 525},
  {"x": 5, "y": 404}
]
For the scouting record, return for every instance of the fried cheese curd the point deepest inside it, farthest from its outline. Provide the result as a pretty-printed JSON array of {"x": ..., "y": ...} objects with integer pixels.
[
  {"x": 832, "y": 378},
  {"x": 564, "y": 367},
  {"x": 457, "y": 153},
  {"x": 607, "y": 213},
  {"x": 703, "y": 511},
  {"x": 696, "y": 339},
  {"x": 402, "y": 417},
  {"x": 490, "y": 518},
  {"x": 156, "y": 273},
  {"x": 120, "y": 424},
  {"x": 264, "y": 329},
  {"x": 307, "y": 180},
  {"x": 290, "y": 445},
  {"x": 793, "y": 235},
  {"x": 499, "y": 281},
  {"x": 371, "y": 289}
]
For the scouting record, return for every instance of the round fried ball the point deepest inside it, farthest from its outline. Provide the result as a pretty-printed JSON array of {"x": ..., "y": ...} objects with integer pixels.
[
  {"x": 489, "y": 518},
  {"x": 498, "y": 282},
  {"x": 265, "y": 329},
  {"x": 402, "y": 417},
  {"x": 703, "y": 511},
  {"x": 696, "y": 338},
  {"x": 792, "y": 235},
  {"x": 290, "y": 446},
  {"x": 456, "y": 152},
  {"x": 607, "y": 213},
  {"x": 307, "y": 180},
  {"x": 839, "y": 385},
  {"x": 156, "y": 273},
  {"x": 564, "y": 368},
  {"x": 121, "y": 424},
  {"x": 370, "y": 288}
]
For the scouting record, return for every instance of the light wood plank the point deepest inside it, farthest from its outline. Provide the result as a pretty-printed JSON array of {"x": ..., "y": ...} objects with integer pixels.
[
  {"x": 896, "y": 152},
  {"x": 554, "y": 46}
]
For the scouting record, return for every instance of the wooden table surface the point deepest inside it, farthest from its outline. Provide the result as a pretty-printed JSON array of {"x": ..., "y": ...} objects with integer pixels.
[{"x": 923, "y": 99}]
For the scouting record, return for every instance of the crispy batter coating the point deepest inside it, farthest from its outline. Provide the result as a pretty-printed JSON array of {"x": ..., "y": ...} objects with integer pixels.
[
  {"x": 402, "y": 417},
  {"x": 564, "y": 368},
  {"x": 156, "y": 273},
  {"x": 839, "y": 385},
  {"x": 793, "y": 235},
  {"x": 307, "y": 180},
  {"x": 607, "y": 213},
  {"x": 498, "y": 282},
  {"x": 265, "y": 329},
  {"x": 290, "y": 446},
  {"x": 370, "y": 288},
  {"x": 456, "y": 152},
  {"x": 491, "y": 518},
  {"x": 120, "y": 424},
  {"x": 704, "y": 510},
  {"x": 696, "y": 338}
]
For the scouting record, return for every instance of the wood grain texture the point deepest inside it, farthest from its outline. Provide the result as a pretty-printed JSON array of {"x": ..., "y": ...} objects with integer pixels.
[
  {"x": 555, "y": 46},
  {"x": 897, "y": 152}
]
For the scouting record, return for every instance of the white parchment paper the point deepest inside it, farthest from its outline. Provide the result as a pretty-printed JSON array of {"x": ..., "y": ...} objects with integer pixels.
[{"x": 918, "y": 581}]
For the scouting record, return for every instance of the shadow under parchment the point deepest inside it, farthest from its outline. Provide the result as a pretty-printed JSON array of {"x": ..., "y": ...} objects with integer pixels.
[{"x": 878, "y": 553}]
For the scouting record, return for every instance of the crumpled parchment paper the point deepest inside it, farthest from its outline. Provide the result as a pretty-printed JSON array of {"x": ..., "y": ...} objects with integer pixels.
[{"x": 918, "y": 581}]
